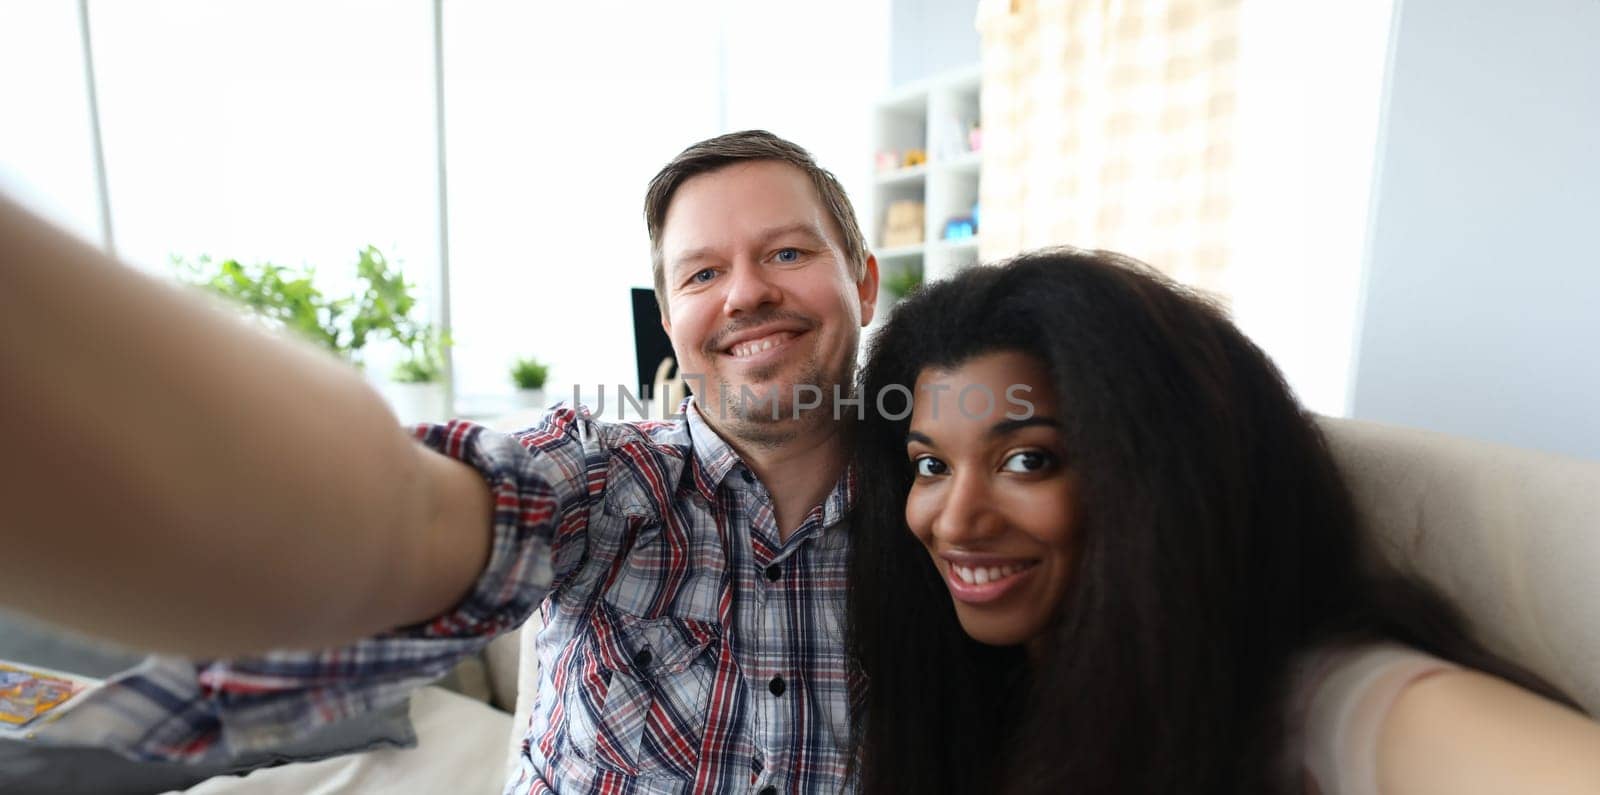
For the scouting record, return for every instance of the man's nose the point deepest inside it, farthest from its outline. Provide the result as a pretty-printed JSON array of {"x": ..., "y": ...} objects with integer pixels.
[
  {"x": 750, "y": 287},
  {"x": 967, "y": 515}
]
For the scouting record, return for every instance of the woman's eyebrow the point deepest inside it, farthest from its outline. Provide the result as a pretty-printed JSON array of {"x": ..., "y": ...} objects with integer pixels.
[
  {"x": 1004, "y": 427},
  {"x": 917, "y": 436}
]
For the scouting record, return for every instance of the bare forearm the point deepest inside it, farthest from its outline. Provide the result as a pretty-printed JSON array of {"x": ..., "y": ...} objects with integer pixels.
[
  {"x": 177, "y": 480},
  {"x": 1465, "y": 732}
]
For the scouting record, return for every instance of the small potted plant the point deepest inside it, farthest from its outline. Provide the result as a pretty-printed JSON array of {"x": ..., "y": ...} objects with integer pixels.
[
  {"x": 416, "y": 390},
  {"x": 528, "y": 375}
]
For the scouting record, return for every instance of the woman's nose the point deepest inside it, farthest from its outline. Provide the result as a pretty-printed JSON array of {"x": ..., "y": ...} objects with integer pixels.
[{"x": 967, "y": 514}]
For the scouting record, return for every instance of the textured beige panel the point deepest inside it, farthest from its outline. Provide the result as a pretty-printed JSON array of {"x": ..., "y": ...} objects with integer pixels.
[{"x": 1110, "y": 125}]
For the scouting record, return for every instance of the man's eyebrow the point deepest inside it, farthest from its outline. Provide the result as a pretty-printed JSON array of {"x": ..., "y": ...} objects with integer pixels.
[
  {"x": 809, "y": 230},
  {"x": 1006, "y": 426},
  {"x": 691, "y": 256}
]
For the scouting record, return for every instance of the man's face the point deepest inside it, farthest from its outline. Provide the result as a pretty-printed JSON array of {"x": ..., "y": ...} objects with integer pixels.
[{"x": 760, "y": 298}]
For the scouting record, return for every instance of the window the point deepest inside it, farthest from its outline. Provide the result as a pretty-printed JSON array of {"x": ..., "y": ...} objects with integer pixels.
[
  {"x": 300, "y": 131},
  {"x": 46, "y": 152},
  {"x": 557, "y": 117}
]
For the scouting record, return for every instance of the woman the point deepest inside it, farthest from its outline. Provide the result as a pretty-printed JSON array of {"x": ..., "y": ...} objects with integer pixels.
[{"x": 1100, "y": 548}]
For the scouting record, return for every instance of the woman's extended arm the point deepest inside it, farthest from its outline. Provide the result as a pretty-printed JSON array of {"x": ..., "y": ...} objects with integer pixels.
[
  {"x": 176, "y": 480},
  {"x": 1465, "y": 732}
]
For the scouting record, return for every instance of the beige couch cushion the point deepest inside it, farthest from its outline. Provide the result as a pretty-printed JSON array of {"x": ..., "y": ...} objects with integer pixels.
[
  {"x": 1511, "y": 536},
  {"x": 458, "y": 744}
]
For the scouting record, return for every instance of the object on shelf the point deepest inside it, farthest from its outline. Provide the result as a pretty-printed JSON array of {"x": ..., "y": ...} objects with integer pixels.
[
  {"x": 963, "y": 228},
  {"x": 947, "y": 138},
  {"x": 902, "y": 224},
  {"x": 914, "y": 157},
  {"x": 901, "y": 281},
  {"x": 888, "y": 160},
  {"x": 954, "y": 136}
]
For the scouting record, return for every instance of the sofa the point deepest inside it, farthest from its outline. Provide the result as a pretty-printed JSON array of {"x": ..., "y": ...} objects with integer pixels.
[{"x": 1511, "y": 536}]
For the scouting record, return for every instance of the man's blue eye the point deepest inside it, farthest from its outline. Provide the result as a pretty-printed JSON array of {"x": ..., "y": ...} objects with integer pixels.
[
  {"x": 788, "y": 255},
  {"x": 703, "y": 275}
]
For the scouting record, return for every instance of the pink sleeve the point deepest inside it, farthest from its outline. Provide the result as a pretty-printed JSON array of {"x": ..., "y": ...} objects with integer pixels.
[{"x": 1343, "y": 697}]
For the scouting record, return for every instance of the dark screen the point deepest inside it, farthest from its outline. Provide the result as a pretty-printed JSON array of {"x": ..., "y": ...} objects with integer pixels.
[{"x": 650, "y": 342}]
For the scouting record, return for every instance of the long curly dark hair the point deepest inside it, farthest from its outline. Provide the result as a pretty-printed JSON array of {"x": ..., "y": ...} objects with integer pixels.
[{"x": 1218, "y": 541}]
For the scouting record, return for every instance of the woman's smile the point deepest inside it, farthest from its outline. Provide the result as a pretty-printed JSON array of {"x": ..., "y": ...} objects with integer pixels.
[
  {"x": 976, "y": 583},
  {"x": 992, "y": 499}
]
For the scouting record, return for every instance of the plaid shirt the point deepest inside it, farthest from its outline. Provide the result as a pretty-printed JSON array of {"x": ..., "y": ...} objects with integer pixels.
[{"x": 685, "y": 647}]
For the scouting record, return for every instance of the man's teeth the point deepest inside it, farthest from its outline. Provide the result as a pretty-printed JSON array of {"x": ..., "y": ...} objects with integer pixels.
[
  {"x": 979, "y": 575},
  {"x": 756, "y": 346}
]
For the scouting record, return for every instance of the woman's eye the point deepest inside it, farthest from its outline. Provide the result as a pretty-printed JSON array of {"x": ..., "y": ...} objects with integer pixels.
[
  {"x": 702, "y": 276},
  {"x": 1029, "y": 461},
  {"x": 928, "y": 466},
  {"x": 788, "y": 255}
]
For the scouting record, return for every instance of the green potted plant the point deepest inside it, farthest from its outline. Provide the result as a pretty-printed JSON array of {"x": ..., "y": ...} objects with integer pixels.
[
  {"x": 529, "y": 375},
  {"x": 278, "y": 297},
  {"x": 416, "y": 388},
  {"x": 288, "y": 298}
]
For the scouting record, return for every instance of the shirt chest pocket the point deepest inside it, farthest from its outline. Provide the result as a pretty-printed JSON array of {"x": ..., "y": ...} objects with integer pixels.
[{"x": 642, "y": 693}]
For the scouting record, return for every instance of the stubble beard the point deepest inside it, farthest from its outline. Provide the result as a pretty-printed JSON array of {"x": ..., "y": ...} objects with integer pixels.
[{"x": 753, "y": 421}]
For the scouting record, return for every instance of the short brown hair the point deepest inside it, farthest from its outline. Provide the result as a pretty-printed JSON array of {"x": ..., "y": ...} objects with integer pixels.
[{"x": 737, "y": 147}]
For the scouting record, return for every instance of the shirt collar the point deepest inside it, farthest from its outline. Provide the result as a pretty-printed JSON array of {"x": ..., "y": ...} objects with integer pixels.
[
  {"x": 715, "y": 459},
  {"x": 841, "y": 499}
]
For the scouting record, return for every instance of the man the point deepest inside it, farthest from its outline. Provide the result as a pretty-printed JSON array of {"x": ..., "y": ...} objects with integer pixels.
[{"x": 251, "y": 496}]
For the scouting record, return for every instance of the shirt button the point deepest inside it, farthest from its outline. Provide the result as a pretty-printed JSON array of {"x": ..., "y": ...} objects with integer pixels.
[
  {"x": 774, "y": 572},
  {"x": 769, "y": 790},
  {"x": 776, "y": 685},
  {"x": 748, "y": 477},
  {"x": 642, "y": 659}
]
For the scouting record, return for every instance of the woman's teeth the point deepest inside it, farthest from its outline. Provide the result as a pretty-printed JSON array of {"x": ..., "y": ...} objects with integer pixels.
[{"x": 979, "y": 575}]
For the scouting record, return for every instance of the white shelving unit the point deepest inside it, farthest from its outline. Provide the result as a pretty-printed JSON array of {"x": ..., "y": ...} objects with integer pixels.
[{"x": 934, "y": 115}]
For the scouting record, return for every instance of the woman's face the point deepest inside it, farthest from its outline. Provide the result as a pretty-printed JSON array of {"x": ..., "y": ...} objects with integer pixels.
[{"x": 992, "y": 499}]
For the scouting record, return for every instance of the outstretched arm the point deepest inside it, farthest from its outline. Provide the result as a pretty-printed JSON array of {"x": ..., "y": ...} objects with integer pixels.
[
  {"x": 176, "y": 480},
  {"x": 1466, "y": 732}
]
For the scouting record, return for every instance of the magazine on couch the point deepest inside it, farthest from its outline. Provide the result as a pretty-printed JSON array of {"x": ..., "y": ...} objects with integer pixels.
[{"x": 30, "y": 695}]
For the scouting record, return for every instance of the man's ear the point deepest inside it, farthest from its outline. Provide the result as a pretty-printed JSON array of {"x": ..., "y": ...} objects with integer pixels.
[{"x": 867, "y": 290}]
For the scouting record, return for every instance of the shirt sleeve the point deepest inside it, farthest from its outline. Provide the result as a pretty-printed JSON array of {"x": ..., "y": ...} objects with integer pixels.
[
  {"x": 542, "y": 481},
  {"x": 1346, "y": 695}
]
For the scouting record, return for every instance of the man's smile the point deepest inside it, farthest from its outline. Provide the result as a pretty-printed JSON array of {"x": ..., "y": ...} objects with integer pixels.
[{"x": 750, "y": 348}]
